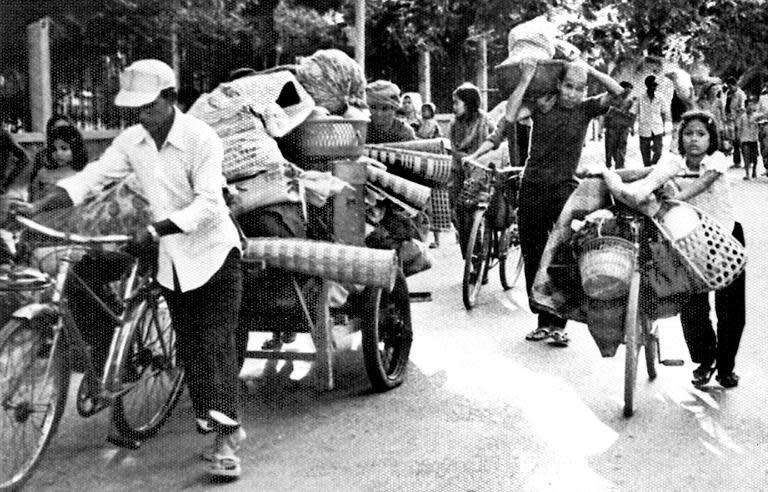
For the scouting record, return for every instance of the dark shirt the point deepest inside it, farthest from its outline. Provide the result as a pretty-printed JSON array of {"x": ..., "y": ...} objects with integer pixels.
[
  {"x": 557, "y": 139},
  {"x": 398, "y": 132}
]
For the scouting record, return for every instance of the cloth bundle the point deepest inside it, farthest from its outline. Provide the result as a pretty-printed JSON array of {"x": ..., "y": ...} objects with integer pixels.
[{"x": 333, "y": 79}]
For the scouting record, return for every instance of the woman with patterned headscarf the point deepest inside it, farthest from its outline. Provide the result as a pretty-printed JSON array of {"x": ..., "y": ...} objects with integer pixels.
[{"x": 383, "y": 99}]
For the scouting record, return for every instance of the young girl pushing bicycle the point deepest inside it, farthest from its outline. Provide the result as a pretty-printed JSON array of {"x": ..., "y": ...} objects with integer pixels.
[{"x": 698, "y": 146}]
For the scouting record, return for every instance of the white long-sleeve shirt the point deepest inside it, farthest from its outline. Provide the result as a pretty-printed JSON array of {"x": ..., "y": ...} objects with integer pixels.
[
  {"x": 651, "y": 115},
  {"x": 182, "y": 182}
]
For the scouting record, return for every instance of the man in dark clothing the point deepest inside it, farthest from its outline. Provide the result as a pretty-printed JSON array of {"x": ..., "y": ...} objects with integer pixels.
[{"x": 618, "y": 122}]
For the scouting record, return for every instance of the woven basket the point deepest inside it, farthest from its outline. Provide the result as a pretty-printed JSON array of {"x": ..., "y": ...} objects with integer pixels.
[
  {"x": 342, "y": 263},
  {"x": 433, "y": 168},
  {"x": 325, "y": 139},
  {"x": 414, "y": 194},
  {"x": 606, "y": 264},
  {"x": 713, "y": 255}
]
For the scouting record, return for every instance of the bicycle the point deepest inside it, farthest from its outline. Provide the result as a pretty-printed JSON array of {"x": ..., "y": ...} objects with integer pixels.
[
  {"x": 489, "y": 246},
  {"x": 140, "y": 380}
]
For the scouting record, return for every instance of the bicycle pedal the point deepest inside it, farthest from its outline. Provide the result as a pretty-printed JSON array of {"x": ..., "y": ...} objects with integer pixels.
[{"x": 123, "y": 441}]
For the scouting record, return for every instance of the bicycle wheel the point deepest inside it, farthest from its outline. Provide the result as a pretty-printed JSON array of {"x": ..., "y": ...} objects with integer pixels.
[
  {"x": 651, "y": 345},
  {"x": 34, "y": 380},
  {"x": 476, "y": 260},
  {"x": 387, "y": 334},
  {"x": 149, "y": 375},
  {"x": 633, "y": 340},
  {"x": 511, "y": 258}
]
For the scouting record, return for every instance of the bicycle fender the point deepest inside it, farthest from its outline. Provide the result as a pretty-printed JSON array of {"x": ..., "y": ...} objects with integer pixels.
[{"x": 33, "y": 310}]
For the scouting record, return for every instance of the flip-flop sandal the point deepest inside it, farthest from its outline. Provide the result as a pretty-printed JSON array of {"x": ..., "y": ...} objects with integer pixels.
[
  {"x": 226, "y": 467},
  {"x": 538, "y": 334},
  {"x": 558, "y": 338}
]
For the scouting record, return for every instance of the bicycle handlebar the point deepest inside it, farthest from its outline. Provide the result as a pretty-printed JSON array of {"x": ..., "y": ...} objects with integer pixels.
[
  {"x": 492, "y": 167},
  {"x": 75, "y": 238}
]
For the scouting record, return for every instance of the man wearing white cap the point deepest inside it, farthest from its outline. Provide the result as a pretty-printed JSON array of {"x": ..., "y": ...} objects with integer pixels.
[{"x": 178, "y": 162}]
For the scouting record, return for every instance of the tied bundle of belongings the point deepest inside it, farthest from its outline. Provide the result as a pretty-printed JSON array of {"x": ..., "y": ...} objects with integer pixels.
[
  {"x": 535, "y": 39},
  {"x": 248, "y": 114}
]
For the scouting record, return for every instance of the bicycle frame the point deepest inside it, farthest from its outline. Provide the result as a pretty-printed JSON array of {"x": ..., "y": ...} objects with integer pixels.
[{"x": 132, "y": 287}]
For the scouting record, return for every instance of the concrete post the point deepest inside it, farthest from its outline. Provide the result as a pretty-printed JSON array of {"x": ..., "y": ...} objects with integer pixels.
[
  {"x": 360, "y": 33},
  {"x": 425, "y": 76},
  {"x": 482, "y": 71},
  {"x": 39, "y": 70}
]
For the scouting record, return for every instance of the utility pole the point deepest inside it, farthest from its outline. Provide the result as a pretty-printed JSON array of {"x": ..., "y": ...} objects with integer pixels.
[{"x": 482, "y": 65}]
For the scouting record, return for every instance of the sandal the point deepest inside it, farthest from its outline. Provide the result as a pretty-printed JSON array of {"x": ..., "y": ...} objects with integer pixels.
[
  {"x": 558, "y": 338},
  {"x": 702, "y": 375},
  {"x": 538, "y": 334},
  {"x": 730, "y": 380},
  {"x": 225, "y": 467}
]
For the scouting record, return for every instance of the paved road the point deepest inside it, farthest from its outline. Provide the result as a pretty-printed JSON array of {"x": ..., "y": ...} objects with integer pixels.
[{"x": 482, "y": 409}]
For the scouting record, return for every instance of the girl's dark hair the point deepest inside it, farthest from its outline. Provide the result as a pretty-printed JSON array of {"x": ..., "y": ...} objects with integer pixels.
[
  {"x": 470, "y": 95},
  {"x": 54, "y": 120},
  {"x": 710, "y": 124},
  {"x": 72, "y": 136}
]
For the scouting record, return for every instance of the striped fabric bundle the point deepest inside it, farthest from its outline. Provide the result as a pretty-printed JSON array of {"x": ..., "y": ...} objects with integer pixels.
[{"x": 431, "y": 168}]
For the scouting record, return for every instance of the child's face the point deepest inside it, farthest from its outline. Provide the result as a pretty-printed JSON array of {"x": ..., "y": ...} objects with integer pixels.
[
  {"x": 407, "y": 104},
  {"x": 62, "y": 153},
  {"x": 426, "y": 112},
  {"x": 695, "y": 138},
  {"x": 751, "y": 106},
  {"x": 459, "y": 108}
]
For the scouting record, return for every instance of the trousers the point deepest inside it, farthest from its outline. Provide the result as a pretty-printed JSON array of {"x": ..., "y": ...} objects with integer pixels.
[
  {"x": 540, "y": 207},
  {"x": 205, "y": 321},
  {"x": 703, "y": 344}
]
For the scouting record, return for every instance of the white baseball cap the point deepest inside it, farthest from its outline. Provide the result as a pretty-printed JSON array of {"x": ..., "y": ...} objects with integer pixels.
[{"x": 142, "y": 81}]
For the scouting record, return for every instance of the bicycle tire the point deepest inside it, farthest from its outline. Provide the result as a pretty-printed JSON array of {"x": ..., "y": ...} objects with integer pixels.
[
  {"x": 633, "y": 341},
  {"x": 651, "y": 348},
  {"x": 473, "y": 280},
  {"x": 512, "y": 256},
  {"x": 23, "y": 438},
  {"x": 147, "y": 364},
  {"x": 387, "y": 334}
]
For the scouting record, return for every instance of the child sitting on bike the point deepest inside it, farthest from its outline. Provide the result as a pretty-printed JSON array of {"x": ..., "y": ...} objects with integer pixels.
[{"x": 698, "y": 144}]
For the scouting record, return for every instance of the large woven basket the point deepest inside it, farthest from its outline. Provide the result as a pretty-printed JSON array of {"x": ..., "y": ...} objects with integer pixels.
[
  {"x": 414, "y": 194},
  {"x": 606, "y": 264},
  {"x": 434, "y": 169},
  {"x": 331, "y": 138},
  {"x": 339, "y": 262},
  {"x": 711, "y": 253}
]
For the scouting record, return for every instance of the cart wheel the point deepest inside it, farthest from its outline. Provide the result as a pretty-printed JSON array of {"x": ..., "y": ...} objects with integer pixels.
[
  {"x": 651, "y": 347},
  {"x": 512, "y": 258},
  {"x": 387, "y": 334},
  {"x": 476, "y": 259},
  {"x": 633, "y": 341}
]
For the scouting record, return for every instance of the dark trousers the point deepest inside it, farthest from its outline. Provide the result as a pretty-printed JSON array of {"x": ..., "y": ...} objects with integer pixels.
[
  {"x": 650, "y": 149},
  {"x": 540, "y": 207},
  {"x": 703, "y": 345},
  {"x": 749, "y": 149},
  {"x": 615, "y": 146},
  {"x": 764, "y": 147},
  {"x": 205, "y": 321},
  {"x": 736, "y": 152}
]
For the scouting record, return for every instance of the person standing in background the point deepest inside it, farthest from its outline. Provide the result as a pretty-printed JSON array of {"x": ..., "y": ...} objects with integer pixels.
[
  {"x": 735, "y": 105},
  {"x": 429, "y": 127},
  {"x": 747, "y": 133},
  {"x": 410, "y": 108},
  {"x": 762, "y": 122},
  {"x": 619, "y": 121},
  {"x": 652, "y": 115}
]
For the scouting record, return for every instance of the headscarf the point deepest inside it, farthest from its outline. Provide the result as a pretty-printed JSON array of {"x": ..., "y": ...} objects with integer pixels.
[{"x": 383, "y": 93}]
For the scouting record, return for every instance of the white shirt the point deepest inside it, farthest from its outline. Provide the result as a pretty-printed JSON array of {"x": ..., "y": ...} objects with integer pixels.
[
  {"x": 714, "y": 201},
  {"x": 182, "y": 182},
  {"x": 649, "y": 115}
]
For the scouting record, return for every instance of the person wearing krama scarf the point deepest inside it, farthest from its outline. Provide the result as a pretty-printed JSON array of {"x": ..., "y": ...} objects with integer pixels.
[{"x": 383, "y": 98}]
